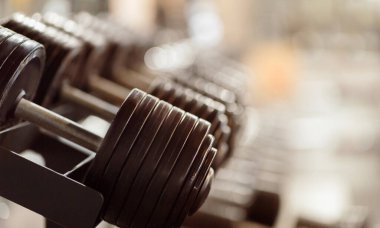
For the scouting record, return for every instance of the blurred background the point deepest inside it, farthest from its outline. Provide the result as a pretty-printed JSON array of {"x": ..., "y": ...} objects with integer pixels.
[{"x": 313, "y": 91}]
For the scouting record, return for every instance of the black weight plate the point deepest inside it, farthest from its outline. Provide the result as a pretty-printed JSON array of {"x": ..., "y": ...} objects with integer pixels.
[
  {"x": 212, "y": 117},
  {"x": 58, "y": 54},
  {"x": 165, "y": 167},
  {"x": 149, "y": 167},
  {"x": 112, "y": 137},
  {"x": 173, "y": 95},
  {"x": 13, "y": 25},
  {"x": 160, "y": 90},
  {"x": 186, "y": 98},
  {"x": 197, "y": 105},
  {"x": 10, "y": 23},
  {"x": 181, "y": 99},
  {"x": 199, "y": 190},
  {"x": 204, "y": 190},
  {"x": 39, "y": 32},
  {"x": 176, "y": 180},
  {"x": 135, "y": 160},
  {"x": 16, "y": 51},
  {"x": 69, "y": 65},
  {"x": 186, "y": 95},
  {"x": 167, "y": 93},
  {"x": 178, "y": 96},
  {"x": 5, "y": 33},
  {"x": 195, "y": 174},
  {"x": 124, "y": 146},
  {"x": 20, "y": 75},
  {"x": 154, "y": 89},
  {"x": 213, "y": 90},
  {"x": 191, "y": 101},
  {"x": 202, "y": 111},
  {"x": 8, "y": 46},
  {"x": 93, "y": 45},
  {"x": 222, "y": 147}
]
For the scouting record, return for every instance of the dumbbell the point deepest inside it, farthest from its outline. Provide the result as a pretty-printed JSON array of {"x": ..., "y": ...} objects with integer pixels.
[
  {"x": 185, "y": 99},
  {"x": 221, "y": 70},
  {"x": 251, "y": 199},
  {"x": 131, "y": 78},
  {"x": 218, "y": 91},
  {"x": 105, "y": 28},
  {"x": 152, "y": 150}
]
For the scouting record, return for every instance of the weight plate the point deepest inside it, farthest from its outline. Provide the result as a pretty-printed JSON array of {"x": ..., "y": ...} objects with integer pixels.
[
  {"x": 112, "y": 137},
  {"x": 149, "y": 167},
  {"x": 201, "y": 112},
  {"x": 17, "y": 50},
  {"x": 20, "y": 75},
  {"x": 204, "y": 191},
  {"x": 167, "y": 92},
  {"x": 178, "y": 96},
  {"x": 183, "y": 99},
  {"x": 199, "y": 192},
  {"x": 37, "y": 31},
  {"x": 195, "y": 174},
  {"x": 173, "y": 95},
  {"x": 69, "y": 67},
  {"x": 176, "y": 181},
  {"x": 135, "y": 159},
  {"x": 161, "y": 90},
  {"x": 124, "y": 146},
  {"x": 163, "y": 171},
  {"x": 191, "y": 101},
  {"x": 4, "y": 34},
  {"x": 9, "y": 45}
]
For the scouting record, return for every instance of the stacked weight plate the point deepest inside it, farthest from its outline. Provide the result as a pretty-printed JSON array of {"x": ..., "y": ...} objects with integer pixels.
[
  {"x": 221, "y": 81},
  {"x": 140, "y": 126},
  {"x": 174, "y": 93},
  {"x": 153, "y": 166}
]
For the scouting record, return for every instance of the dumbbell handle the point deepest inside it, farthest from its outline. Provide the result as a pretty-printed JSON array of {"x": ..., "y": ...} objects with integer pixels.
[
  {"x": 57, "y": 124},
  {"x": 111, "y": 91},
  {"x": 133, "y": 79},
  {"x": 98, "y": 106}
]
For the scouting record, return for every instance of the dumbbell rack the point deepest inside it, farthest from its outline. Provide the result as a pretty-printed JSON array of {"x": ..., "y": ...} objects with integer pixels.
[{"x": 54, "y": 191}]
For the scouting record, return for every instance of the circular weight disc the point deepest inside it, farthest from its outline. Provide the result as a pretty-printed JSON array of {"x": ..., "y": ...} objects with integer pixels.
[
  {"x": 149, "y": 167},
  {"x": 183, "y": 99},
  {"x": 192, "y": 179},
  {"x": 176, "y": 182},
  {"x": 66, "y": 67},
  {"x": 174, "y": 94},
  {"x": 4, "y": 34},
  {"x": 124, "y": 146},
  {"x": 196, "y": 105},
  {"x": 112, "y": 137},
  {"x": 191, "y": 101},
  {"x": 178, "y": 97},
  {"x": 167, "y": 93},
  {"x": 199, "y": 191},
  {"x": 212, "y": 117},
  {"x": 154, "y": 89},
  {"x": 56, "y": 55},
  {"x": 136, "y": 157},
  {"x": 8, "y": 45},
  {"x": 202, "y": 110},
  {"x": 165, "y": 167},
  {"x": 160, "y": 90},
  {"x": 59, "y": 54},
  {"x": 20, "y": 75},
  {"x": 204, "y": 191}
]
